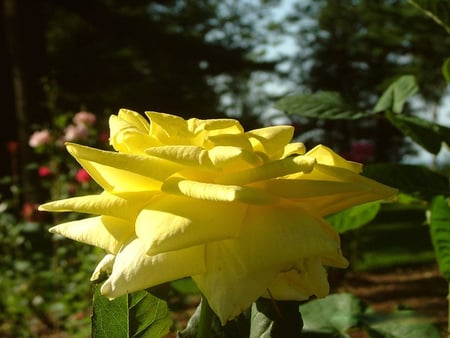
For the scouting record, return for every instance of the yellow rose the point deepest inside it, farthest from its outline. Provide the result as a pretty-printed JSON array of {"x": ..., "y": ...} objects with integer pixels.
[{"x": 239, "y": 212}]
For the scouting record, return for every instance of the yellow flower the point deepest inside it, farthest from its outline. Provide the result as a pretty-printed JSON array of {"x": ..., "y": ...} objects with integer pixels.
[{"x": 239, "y": 212}]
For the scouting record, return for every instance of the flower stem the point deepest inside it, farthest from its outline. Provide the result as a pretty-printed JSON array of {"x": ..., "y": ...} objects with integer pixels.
[{"x": 206, "y": 319}]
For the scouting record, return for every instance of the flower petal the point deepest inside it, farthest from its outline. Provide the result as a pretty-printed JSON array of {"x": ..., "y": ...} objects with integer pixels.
[
  {"x": 104, "y": 267},
  {"x": 289, "y": 165},
  {"x": 108, "y": 233},
  {"x": 227, "y": 283},
  {"x": 233, "y": 158},
  {"x": 173, "y": 222},
  {"x": 122, "y": 172},
  {"x": 272, "y": 240},
  {"x": 271, "y": 140},
  {"x": 130, "y": 132},
  {"x": 300, "y": 283},
  {"x": 325, "y": 155},
  {"x": 186, "y": 155},
  {"x": 103, "y": 204},
  {"x": 215, "y": 192},
  {"x": 134, "y": 270}
]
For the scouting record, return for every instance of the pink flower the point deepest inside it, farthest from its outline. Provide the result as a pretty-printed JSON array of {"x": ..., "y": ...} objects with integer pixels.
[
  {"x": 82, "y": 176},
  {"x": 44, "y": 171},
  {"x": 84, "y": 118},
  {"x": 39, "y": 138},
  {"x": 76, "y": 132}
]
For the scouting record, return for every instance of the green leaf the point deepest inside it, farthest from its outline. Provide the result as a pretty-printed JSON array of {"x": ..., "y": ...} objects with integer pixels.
[
  {"x": 138, "y": 314},
  {"x": 275, "y": 319},
  {"x": 354, "y": 218},
  {"x": 440, "y": 233},
  {"x": 395, "y": 96},
  {"x": 321, "y": 105},
  {"x": 446, "y": 70},
  {"x": 427, "y": 134},
  {"x": 400, "y": 324},
  {"x": 411, "y": 179},
  {"x": 334, "y": 314}
]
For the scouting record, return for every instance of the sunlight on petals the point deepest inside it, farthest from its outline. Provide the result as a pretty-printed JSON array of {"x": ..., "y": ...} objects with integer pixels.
[
  {"x": 134, "y": 270},
  {"x": 174, "y": 222},
  {"x": 108, "y": 233},
  {"x": 240, "y": 212}
]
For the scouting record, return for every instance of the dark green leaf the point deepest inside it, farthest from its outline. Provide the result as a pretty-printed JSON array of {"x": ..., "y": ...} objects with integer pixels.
[
  {"x": 440, "y": 233},
  {"x": 138, "y": 314},
  {"x": 321, "y": 105},
  {"x": 395, "y": 96},
  {"x": 334, "y": 314},
  {"x": 109, "y": 318},
  {"x": 275, "y": 319},
  {"x": 400, "y": 324},
  {"x": 354, "y": 218},
  {"x": 446, "y": 70},
  {"x": 425, "y": 133},
  {"x": 438, "y": 10},
  {"x": 410, "y": 179}
]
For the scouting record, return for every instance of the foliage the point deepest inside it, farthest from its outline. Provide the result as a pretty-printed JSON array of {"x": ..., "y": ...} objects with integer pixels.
[
  {"x": 440, "y": 233},
  {"x": 139, "y": 314},
  {"x": 46, "y": 272},
  {"x": 340, "y": 314}
]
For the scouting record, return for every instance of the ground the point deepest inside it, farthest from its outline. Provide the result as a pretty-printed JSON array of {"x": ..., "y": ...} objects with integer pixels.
[{"x": 421, "y": 288}]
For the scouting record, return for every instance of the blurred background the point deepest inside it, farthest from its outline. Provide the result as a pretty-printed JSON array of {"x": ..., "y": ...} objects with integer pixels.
[{"x": 67, "y": 65}]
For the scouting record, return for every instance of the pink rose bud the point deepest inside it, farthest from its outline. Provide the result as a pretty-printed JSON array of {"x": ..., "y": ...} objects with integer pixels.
[{"x": 39, "y": 138}]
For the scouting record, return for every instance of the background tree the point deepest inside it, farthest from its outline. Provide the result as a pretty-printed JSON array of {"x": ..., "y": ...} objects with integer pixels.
[
  {"x": 356, "y": 48},
  {"x": 176, "y": 56}
]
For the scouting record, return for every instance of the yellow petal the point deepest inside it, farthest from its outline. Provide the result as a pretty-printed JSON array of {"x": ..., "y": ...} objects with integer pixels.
[
  {"x": 215, "y": 192},
  {"x": 103, "y": 204},
  {"x": 215, "y": 127},
  {"x": 108, "y": 233},
  {"x": 328, "y": 189},
  {"x": 271, "y": 241},
  {"x": 271, "y": 140},
  {"x": 122, "y": 172},
  {"x": 173, "y": 222},
  {"x": 186, "y": 155},
  {"x": 227, "y": 284},
  {"x": 232, "y": 140},
  {"x": 325, "y": 155},
  {"x": 300, "y": 283},
  {"x": 289, "y": 165},
  {"x": 134, "y": 270},
  {"x": 130, "y": 132},
  {"x": 169, "y": 129},
  {"x": 296, "y": 148},
  {"x": 103, "y": 267},
  {"x": 233, "y": 158}
]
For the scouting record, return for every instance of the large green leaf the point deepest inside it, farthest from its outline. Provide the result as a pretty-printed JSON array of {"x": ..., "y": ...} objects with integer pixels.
[
  {"x": 400, "y": 324},
  {"x": 440, "y": 233},
  {"x": 411, "y": 179},
  {"x": 427, "y": 134},
  {"x": 332, "y": 315},
  {"x": 339, "y": 314},
  {"x": 395, "y": 96},
  {"x": 354, "y": 218},
  {"x": 138, "y": 314},
  {"x": 320, "y": 105}
]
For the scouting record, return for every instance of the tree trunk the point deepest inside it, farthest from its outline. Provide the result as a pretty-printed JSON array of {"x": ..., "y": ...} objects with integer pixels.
[{"x": 24, "y": 39}]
